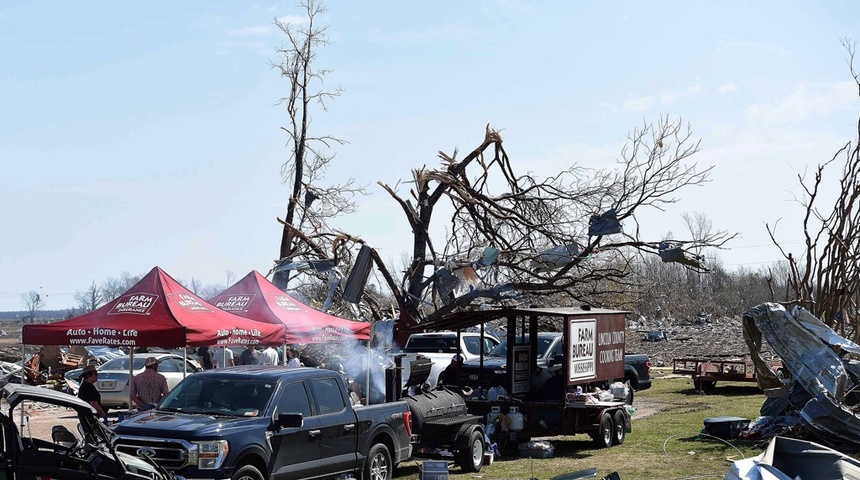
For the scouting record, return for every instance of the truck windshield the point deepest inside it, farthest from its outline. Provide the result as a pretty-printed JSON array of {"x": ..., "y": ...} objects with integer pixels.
[
  {"x": 215, "y": 396},
  {"x": 432, "y": 344},
  {"x": 543, "y": 345}
]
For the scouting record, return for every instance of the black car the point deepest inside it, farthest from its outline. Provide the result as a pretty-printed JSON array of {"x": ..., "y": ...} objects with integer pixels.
[{"x": 550, "y": 355}]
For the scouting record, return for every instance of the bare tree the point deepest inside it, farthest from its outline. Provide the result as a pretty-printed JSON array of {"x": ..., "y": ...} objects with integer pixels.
[
  {"x": 114, "y": 287},
  {"x": 90, "y": 299},
  {"x": 33, "y": 301},
  {"x": 825, "y": 278},
  {"x": 311, "y": 202},
  {"x": 210, "y": 291},
  {"x": 231, "y": 277},
  {"x": 519, "y": 238}
]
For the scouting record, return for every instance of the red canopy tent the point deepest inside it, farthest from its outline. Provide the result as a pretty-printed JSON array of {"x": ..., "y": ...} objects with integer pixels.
[
  {"x": 156, "y": 312},
  {"x": 257, "y": 298}
]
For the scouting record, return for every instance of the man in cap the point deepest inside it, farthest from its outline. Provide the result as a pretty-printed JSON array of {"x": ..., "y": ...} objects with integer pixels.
[
  {"x": 88, "y": 393},
  {"x": 148, "y": 388},
  {"x": 449, "y": 376}
]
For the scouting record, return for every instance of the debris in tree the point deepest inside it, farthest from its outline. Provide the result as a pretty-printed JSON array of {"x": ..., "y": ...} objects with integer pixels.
[
  {"x": 555, "y": 258},
  {"x": 672, "y": 252},
  {"x": 603, "y": 224},
  {"x": 354, "y": 288}
]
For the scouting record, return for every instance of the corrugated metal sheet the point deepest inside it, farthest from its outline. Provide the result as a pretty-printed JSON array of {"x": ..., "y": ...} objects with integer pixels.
[{"x": 812, "y": 355}]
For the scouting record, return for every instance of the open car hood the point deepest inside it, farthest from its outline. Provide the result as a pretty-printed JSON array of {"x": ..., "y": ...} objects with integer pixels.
[{"x": 16, "y": 393}]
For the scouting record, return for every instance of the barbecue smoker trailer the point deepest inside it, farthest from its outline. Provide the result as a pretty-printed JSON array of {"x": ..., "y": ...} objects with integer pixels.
[{"x": 591, "y": 354}]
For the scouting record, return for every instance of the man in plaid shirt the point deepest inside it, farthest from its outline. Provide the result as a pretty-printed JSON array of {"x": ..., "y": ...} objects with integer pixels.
[{"x": 148, "y": 388}]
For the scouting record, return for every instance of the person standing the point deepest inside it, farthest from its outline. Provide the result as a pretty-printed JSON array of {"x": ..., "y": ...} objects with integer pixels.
[
  {"x": 148, "y": 388},
  {"x": 204, "y": 356},
  {"x": 269, "y": 356},
  {"x": 88, "y": 393},
  {"x": 249, "y": 356},
  {"x": 293, "y": 358},
  {"x": 222, "y": 357}
]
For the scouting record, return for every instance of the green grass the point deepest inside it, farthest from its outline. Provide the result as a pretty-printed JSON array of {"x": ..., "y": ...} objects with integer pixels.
[{"x": 664, "y": 446}]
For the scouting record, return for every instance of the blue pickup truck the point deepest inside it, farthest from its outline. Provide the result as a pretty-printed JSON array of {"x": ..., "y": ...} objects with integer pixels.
[{"x": 258, "y": 422}]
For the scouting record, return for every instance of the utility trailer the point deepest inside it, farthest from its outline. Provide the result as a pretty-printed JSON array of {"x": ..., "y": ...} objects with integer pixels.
[
  {"x": 592, "y": 355},
  {"x": 706, "y": 372}
]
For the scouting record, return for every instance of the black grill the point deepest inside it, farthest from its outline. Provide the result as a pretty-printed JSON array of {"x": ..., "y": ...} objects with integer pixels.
[{"x": 170, "y": 454}]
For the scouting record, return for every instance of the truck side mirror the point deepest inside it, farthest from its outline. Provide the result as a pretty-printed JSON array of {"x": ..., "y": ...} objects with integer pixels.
[
  {"x": 557, "y": 359},
  {"x": 289, "y": 420}
]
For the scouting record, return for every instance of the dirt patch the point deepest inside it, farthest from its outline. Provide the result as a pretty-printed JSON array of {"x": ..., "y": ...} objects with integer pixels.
[{"x": 645, "y": 407}]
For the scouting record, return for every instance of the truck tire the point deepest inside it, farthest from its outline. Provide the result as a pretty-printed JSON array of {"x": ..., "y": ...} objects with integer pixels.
[
  {"x": 603, "y": 437},
  {"x": 619, "y": 431},
  {"x": 378, "y": 465},
  {"x": 248, "y": 472},
  {"x": 472, "y": 457}
]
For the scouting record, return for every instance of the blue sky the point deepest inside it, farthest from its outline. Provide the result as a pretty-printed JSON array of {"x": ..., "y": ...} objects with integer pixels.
[{"x": 136, "y": 135}]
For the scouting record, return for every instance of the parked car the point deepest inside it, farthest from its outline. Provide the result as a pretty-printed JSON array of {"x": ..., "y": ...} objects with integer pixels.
[
  {"x": 440, "y": 347},
  {"x": 113, "y": 382}
]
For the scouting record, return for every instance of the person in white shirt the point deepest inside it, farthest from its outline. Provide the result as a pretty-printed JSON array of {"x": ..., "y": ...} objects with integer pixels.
[
  {"x": 269, "y": 356},
  {"x": 293, "y": 357},
  {"x": 219, "y": 354}
]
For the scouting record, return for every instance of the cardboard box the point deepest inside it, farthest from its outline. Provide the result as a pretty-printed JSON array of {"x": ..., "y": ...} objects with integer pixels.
[{"x": 433, "y": 470}]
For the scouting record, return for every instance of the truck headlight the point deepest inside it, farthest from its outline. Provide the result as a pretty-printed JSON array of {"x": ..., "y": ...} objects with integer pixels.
[{"x": 209, "y": 455}]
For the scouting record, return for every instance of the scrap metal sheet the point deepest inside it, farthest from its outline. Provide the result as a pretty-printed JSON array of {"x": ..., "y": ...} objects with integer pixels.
[{"x": 811, "y": 352}]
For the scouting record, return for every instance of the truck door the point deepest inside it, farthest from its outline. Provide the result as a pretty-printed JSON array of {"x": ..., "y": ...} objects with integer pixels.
[
  {"x": 295, "y": 451},
  {"x": 338, "y": 427}
]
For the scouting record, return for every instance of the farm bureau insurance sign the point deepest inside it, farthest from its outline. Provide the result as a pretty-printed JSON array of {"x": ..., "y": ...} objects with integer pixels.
[{"x": 583, "y": 336}]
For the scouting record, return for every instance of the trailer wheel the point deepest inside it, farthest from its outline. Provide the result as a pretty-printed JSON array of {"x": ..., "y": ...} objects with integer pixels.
[
  {"x": 604, "y": 435},
  {"x": 472, "y": 457},
  {"x": 248, "y": 472},
  {"x": 378, "y": 466},
  {"x": 620, "y": 431},
  {"x": 704, "y": 384}
]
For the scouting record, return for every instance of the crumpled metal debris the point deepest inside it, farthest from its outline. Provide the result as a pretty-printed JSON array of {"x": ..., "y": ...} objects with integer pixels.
[
  {"x": 813, "y": 353},
  {"x": 790, "y": 459}
]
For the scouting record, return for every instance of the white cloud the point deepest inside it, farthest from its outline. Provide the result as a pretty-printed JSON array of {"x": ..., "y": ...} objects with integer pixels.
[
  {"x": 249, "y": 31},
  {"x": 292, "y": 19},
  {"x": 727, "y": 88},
  {"x": 693, "y": 91},
  {"x": 638, "y": 104},
  {"x": 667, "y": 97},
  {"x": 806, "y": 101}
]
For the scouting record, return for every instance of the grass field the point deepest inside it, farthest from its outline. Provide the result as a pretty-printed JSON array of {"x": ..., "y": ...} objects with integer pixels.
[{"x": 665, "y": 445}]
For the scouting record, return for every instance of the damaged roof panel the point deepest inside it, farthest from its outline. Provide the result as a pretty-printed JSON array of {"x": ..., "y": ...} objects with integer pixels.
[{"x": 811, "y": 352}]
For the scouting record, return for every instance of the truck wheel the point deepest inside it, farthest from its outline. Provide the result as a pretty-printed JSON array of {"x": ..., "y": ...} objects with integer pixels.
[
  {"x": 378, "y": 466},
  {"x": 604, "y": 435},
  {"x": 248, "y": 472},
  {"x": 472, "y": 457},
  {"x": 620, "y": 432}
]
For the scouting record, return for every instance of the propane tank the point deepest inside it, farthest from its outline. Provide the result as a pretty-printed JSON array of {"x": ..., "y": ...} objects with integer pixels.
[
  {"x": 516, "y": 419},
  {"x": 495, "y": 411}
]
